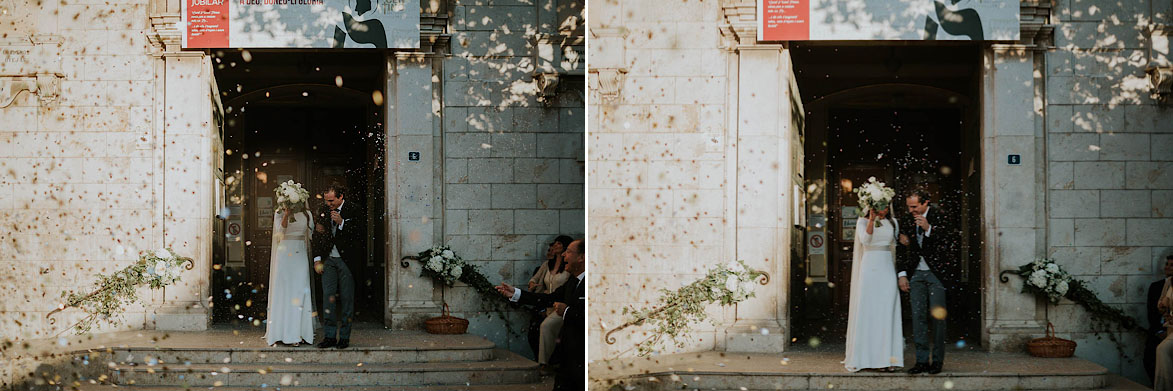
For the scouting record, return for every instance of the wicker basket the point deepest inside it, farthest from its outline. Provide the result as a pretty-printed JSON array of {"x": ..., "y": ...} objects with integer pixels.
[
  {"x": 446, "y": 324},
  {"x": 1051, "y": 346}
]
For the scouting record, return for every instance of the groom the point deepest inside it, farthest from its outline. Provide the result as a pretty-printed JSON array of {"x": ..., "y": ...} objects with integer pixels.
[
  {"x": 339, "y": 228},
  {"x": 924, "y": 260}
]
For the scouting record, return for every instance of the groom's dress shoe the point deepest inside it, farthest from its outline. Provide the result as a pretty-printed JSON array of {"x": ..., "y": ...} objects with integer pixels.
[
  {"x": 919, "y": 368},
  {"x": 343, "y": 344},
  {"x": 328, "y": 343},
  {"x": 936, "y": 368}
]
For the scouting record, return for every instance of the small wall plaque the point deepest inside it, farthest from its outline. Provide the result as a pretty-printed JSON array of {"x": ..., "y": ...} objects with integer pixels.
[
  {"x": 1014, "y": 159},
  {"x": 413, "y": 156}
]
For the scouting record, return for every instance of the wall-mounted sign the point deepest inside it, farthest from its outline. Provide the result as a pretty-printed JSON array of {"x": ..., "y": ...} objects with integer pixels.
[
  {"x": 413, "y": 156},
  {"x": 908, "y": 20},
  {"x": 301, "y": 23},
  {"x": 816, "y": 243},
  {"x": 1014, "y": 159}
]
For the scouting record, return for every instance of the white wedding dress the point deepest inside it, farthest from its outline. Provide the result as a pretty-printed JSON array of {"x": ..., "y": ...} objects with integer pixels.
[
  {"x": 290, "y": 298},
  {"x": 875, "y": 338}
]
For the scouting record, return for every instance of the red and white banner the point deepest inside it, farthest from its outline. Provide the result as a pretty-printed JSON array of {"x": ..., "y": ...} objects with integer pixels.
[
  {"x": 301, "y": 23},
  {"x": 910, "y": 20}
]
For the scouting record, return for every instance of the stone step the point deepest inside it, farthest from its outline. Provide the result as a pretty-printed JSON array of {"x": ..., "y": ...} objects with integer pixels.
[
  {"x": 295, "y": 355},
  {"x": 823, "y": 370},
  {"x": 850, "y": 382},
  {"x": 545, "y": 385},
  {"x": 505, "y": 368}
]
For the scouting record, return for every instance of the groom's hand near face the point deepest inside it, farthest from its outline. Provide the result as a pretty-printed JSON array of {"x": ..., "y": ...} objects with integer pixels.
[{"x": 922, "y": 222}]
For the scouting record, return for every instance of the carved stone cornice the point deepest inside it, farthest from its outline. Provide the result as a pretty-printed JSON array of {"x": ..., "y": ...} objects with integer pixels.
[
  {"x": 434, "y": 36},
  {"x": 1034, "y": 25},
  {"x": 165, "y": 34},
  {"x": 739, "y": 23}
]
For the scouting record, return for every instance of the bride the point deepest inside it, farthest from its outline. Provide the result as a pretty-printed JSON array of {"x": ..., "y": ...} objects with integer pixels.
[
  {"x": 874, "y": 336},
  {"x": 290, "y": 304}
]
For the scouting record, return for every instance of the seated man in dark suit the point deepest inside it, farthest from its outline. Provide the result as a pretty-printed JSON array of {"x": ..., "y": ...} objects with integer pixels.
[
  {"x": 570, "y": 302},
  {"x": 1156, "y": 329}
]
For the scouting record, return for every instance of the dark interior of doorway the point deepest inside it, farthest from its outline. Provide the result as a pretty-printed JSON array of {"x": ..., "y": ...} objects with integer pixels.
[
  {"x": 310, "y": 117},
  {"x": 905, "y": 114}
]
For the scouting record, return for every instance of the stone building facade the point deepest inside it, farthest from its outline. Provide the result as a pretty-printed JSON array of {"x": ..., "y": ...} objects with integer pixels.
[
  {"x": 112, "y": 141},
  {"x": 700, "y": 149}
]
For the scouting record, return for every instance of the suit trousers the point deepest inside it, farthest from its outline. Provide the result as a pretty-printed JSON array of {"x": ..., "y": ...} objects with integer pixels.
[
  {"x": 927, "y": 293},
  {"x": 338, "y": 293}
]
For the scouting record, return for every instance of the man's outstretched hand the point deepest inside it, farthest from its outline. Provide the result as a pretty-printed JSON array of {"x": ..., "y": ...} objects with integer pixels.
[{"x": 505, "y": 290}]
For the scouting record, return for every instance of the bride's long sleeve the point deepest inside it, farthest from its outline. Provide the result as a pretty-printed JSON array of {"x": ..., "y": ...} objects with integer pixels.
[{"x": 861, "y": 231}]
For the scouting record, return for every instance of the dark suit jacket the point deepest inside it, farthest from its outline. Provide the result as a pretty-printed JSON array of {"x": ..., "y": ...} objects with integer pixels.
[
  {"x": 1151, "y": 307},
  {"x": 939, "y": 248},
  {"x": 573, "y": 335},
  {"x": 1152, "y": 337},
  {"x": 349, "y": 239}
]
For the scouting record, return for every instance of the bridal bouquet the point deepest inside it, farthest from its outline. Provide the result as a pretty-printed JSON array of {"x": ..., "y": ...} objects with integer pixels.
[
  {"x": 441, "y": 263},
  {"x": 1043, "y": 276},
  {"x": 874, "y": 195},
  {"x": 290, "y": 195}
]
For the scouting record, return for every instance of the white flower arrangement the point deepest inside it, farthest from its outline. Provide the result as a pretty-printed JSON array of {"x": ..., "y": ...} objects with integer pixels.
[
  {"x": 1046, "y": 277},
  {"x": 874, "y": 194},
  {"x": 291, "y": 195},
  {"x": 444, "y": 264}
]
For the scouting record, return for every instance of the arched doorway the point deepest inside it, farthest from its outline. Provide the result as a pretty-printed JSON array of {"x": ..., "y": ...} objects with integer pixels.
[
  {"x": 315, "y": 128},
  {"x": 885, "y": 112}
]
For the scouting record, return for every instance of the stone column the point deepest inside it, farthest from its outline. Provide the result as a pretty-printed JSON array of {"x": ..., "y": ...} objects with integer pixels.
[
  {"x": 763, "y": 206},
  {"x": 187, "y": 185},
  {"x": 1012, "y": 212},
  {"x": 413, "y": 192}
]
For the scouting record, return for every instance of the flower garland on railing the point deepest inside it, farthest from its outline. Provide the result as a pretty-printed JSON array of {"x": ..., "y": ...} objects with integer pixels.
[
  {"x": 675, "y": 311},
  {"x": 442, "y": 264},
  {"x": 1045, "y": 278},
  {"x": 156, "y": 269}
]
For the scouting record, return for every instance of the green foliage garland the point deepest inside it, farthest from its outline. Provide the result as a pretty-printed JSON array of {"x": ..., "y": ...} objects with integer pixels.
[
  {"x": 1103, "y": 316},
  {"x": 673, "y": 313},
  {"x": 155, "y": 269}
]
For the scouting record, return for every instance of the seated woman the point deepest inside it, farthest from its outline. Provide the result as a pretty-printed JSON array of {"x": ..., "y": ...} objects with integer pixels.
[{"x": 549, "y": 276}]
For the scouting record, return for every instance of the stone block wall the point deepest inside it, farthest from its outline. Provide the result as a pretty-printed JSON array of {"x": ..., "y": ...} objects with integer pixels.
[
  {"x": 513, "y": 164},
  {"x": 1109, "y": 168},
  {"x": 79, "y": 177},
  {"x": 658, "y": 174}
]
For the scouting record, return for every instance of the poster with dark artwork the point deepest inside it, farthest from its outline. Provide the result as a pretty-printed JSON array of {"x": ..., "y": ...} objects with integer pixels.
[
  {"x": 909, "y": 20},
  {"x": 339, "y": 24}
]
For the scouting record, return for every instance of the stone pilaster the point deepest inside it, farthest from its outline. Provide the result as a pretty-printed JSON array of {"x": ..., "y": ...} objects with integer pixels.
[
  {"x": 1013, "y": 217},
  {"x": 413, "y": 194},
  {"x": 763, "y": 207}
]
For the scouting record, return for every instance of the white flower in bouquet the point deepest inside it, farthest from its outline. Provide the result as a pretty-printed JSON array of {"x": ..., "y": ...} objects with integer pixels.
[
  {"x": 448, "y": 254},
  {"x": 731, "y": 283},
  {"x": 435, "y": 264},
  {"x": 455, "y": 271},
  {"x": 736, "y": 267},
  {"x": 1052, "y": 268},
  {"x": 1038, "y": 278},
  {"x": 1061, "y": 288}
]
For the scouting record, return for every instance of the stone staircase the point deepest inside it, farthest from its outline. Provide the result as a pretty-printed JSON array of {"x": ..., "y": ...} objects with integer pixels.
[{"x": 428, "y": 363}]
